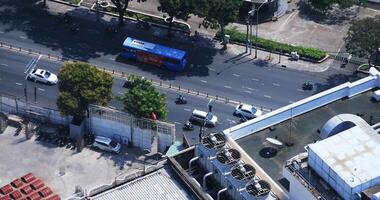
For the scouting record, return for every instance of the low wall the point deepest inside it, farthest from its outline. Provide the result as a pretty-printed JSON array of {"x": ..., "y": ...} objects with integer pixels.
[{"x": 305, "y": 105}]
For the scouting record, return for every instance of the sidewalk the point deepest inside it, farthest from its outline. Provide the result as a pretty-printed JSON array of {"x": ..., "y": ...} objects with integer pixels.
[{"x": 185, "y": 42}]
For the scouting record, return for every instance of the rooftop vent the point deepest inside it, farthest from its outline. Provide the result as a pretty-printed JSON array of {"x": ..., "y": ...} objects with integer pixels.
[
  {"x": 228, "y": 156},
  {"x": 214, "y": 140},
  {"x": 259, "y": 188},
  {"x": 243, "y": 172}
]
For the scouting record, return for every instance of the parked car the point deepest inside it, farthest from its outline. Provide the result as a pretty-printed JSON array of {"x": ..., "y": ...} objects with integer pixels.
[
  {"x": 203, "y": 117},
  {"x": 106, "y": 144},
  {"x": 43, "y": 76},
  {"x": 247, "y": 111}
]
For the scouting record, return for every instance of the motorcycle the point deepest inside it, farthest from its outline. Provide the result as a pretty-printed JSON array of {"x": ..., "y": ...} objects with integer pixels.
[
  {"x": 181, "y": 100},
  {"x": 188, "y": 126},
  {"x": 308, "y": 85}
]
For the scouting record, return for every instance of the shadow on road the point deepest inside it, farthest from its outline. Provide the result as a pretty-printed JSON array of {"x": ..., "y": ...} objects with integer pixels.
[{"x": 92, "y": 39}]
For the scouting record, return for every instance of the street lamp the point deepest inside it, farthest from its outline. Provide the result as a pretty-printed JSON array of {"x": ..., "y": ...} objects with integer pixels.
[
  {"x": 201, "y": 129},
  {"x": 257, "y": 24}
]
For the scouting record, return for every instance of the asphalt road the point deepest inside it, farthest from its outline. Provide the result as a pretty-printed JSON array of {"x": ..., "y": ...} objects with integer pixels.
[
  {"x": 210, "y": 71},
  {"x": 12, "y": 81}
]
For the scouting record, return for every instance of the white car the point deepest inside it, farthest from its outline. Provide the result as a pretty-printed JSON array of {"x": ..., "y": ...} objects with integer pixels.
[
  {"x": 43, "y": 76},
  {"x": 203, "y": 117},
  {"x": 247, "y": 111},
  {"x": 106, "y": 144}
]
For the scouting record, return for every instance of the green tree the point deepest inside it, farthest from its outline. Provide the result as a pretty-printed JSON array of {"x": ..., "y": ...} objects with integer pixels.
[
  {"x": 121, "y": 6},
  {"x": 325, "y": 5},
  {"x": 81, "y": 84},
  {"x": 218, "y": 14},
  {"x": 179, "y": 9},
  {"x": 363, "y": 37},
  {"x": 142, "y": 99}
]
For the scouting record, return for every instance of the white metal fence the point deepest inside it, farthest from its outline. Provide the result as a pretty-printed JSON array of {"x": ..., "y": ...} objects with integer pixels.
[{"x": 143, "y": 133}]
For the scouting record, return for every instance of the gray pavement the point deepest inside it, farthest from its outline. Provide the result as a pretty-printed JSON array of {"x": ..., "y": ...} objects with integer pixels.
[{"x": 60, "y": 168}]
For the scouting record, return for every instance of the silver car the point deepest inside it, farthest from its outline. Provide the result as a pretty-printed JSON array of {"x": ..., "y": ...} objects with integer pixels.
[
  {"x": 42, "y": 76},
  {"x": 106, "y": 144}
]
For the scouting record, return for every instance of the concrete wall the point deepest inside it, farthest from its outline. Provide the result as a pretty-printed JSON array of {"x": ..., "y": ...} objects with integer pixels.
[
  {"x": 297, "y": 190},
  {"x": 305, "y": 105}
]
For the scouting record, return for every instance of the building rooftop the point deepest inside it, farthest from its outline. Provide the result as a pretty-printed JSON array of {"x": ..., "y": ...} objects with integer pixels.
[
  {"x": 303, "y": 130},
  {"x": 157, "y": 185}
]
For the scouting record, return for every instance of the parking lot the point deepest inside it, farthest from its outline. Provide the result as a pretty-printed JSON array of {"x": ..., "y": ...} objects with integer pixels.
[{"x": 63, "y": 168}]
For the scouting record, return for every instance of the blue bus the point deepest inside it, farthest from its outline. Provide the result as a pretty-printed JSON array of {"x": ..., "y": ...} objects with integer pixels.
[{"x": 154, "y": 54}]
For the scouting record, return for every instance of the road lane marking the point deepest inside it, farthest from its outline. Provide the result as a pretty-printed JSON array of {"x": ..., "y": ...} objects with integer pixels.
[
  {"x": 247, "y": 91},
  {"x": 291, "y": 102},
  {"x": 236, "y": 75},
  {"x": 177, "y": 122},
  {"x": 226, "y": 86},
  {"x": 120, "y": 92},
  {"x": 203, "y": 81},
  {"x": 267, "y": 96},
  {"x": 1, "y": 32},
  {"x": 300, "y": 90},
  {"x": 186, "y": 109},
  {"x": 5, "y": 65},
  {"x": 276, "y": 84},
  {"x": 41, "y": 89},
  {"x": 23, "y": 37},
  {"x": 255, "y": 79},
  {"x": 211, "y": 69},
  {"x": 18, "y": 83}
]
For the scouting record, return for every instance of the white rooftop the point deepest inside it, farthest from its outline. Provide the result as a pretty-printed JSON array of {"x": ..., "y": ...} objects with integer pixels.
[
  {"x": 353, "y": 154},
  {"x": 156, "y": 186}
]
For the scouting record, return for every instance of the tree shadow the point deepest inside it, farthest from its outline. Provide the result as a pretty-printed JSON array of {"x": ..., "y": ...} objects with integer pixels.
[
  {"x": 335, "y": 80},
  {"x": 93, "y": 40},
  {"x": 336, "y": 16}
]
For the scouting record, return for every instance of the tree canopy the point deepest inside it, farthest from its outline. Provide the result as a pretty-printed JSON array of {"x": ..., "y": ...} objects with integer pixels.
[
  {"x": 218, "y": 14},
  {"x": 363, "y": 37},
  {"x": 324, "y": 5},
  {"x": 81, "y": 84},
  {"x": 179, "y": 9},
  {"x": 143, "y": 99},
  {"x": 121, "y": 6}
]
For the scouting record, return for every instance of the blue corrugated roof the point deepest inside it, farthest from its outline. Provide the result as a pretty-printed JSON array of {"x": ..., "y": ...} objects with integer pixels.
[{"x": 154, "y": 48}]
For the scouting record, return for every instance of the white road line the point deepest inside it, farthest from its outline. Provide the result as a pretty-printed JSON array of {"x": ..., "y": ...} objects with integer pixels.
[
  {"x": 18, "y": 83},
  {"x": 267, "y": 96},
  {"x": 255, "y": 79},
  {"x": 177, "y": 122},
  {"x": 300, "y": 90},
  {"x": 276, "y": 84},
  {"x": 23, "y": 37},
  {"x": 211, "y": 69},
  {"x": 186, "y": 109},
  {"x": 226, "y": 86},
  {"x": 237, "y": 75},
  {"x": 5, "y": 65},
  {"x": 1, "y": 32},
  {"x": 41, "y": 89},
  {"x": 203, "y": 81},
  {"x": 250, "y": 88},
  {"x": 290, "y": 101},
  {"x": 120, "y": 92},
  {"x": 247, "y": 91}
]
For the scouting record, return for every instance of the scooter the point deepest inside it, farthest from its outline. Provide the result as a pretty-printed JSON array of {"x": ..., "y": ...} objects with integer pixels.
[
  {"x": 181, "y": 100},
  {"x": 307, "y": 85},
  {"x": 188, "y": 126}
]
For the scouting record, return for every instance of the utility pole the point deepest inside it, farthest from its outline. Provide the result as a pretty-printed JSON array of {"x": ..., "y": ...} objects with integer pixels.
[{"x": 28, "y": 68}]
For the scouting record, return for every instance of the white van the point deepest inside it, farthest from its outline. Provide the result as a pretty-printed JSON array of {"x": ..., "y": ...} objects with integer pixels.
[
  {"x": 106, "y": 144},
  {"x": 204, "y": 117}
]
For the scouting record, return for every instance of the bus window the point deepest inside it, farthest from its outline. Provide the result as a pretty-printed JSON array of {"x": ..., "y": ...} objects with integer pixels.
[{"x": 173, "y": 61}]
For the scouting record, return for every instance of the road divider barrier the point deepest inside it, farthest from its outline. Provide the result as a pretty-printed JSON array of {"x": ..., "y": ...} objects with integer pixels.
[{"x": 125, "y": 75}]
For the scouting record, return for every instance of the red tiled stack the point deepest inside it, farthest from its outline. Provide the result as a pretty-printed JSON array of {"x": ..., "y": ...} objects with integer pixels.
[
  {"x": 45, "y": 192},
  {"x": 55, "y": 197},
  {"x": 6, "y": 189},
  {"x": 37, "y": 184},
  {"x": 17, "y": 183},
  {"x": 27, "y": 178},
  {"x": 15, "y": 194},
  {"x": 34, "y": 196},
  {"x": 26, "y": 189}
]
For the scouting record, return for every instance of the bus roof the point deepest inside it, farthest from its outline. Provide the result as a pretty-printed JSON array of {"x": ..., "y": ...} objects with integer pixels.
[{"x": 154, "y": 48}]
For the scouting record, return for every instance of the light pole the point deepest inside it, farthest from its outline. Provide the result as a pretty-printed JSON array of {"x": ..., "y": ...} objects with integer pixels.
[
  {"x": 257, "y": 25},
  {"x": 201, "y": 129}
]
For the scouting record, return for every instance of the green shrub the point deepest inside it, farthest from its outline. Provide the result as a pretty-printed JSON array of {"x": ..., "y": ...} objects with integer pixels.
[{"x": 270, "y": 45}]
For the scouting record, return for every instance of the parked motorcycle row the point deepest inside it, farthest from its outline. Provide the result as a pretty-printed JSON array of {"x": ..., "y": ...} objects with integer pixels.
[{"x": 60, "y": 139}]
